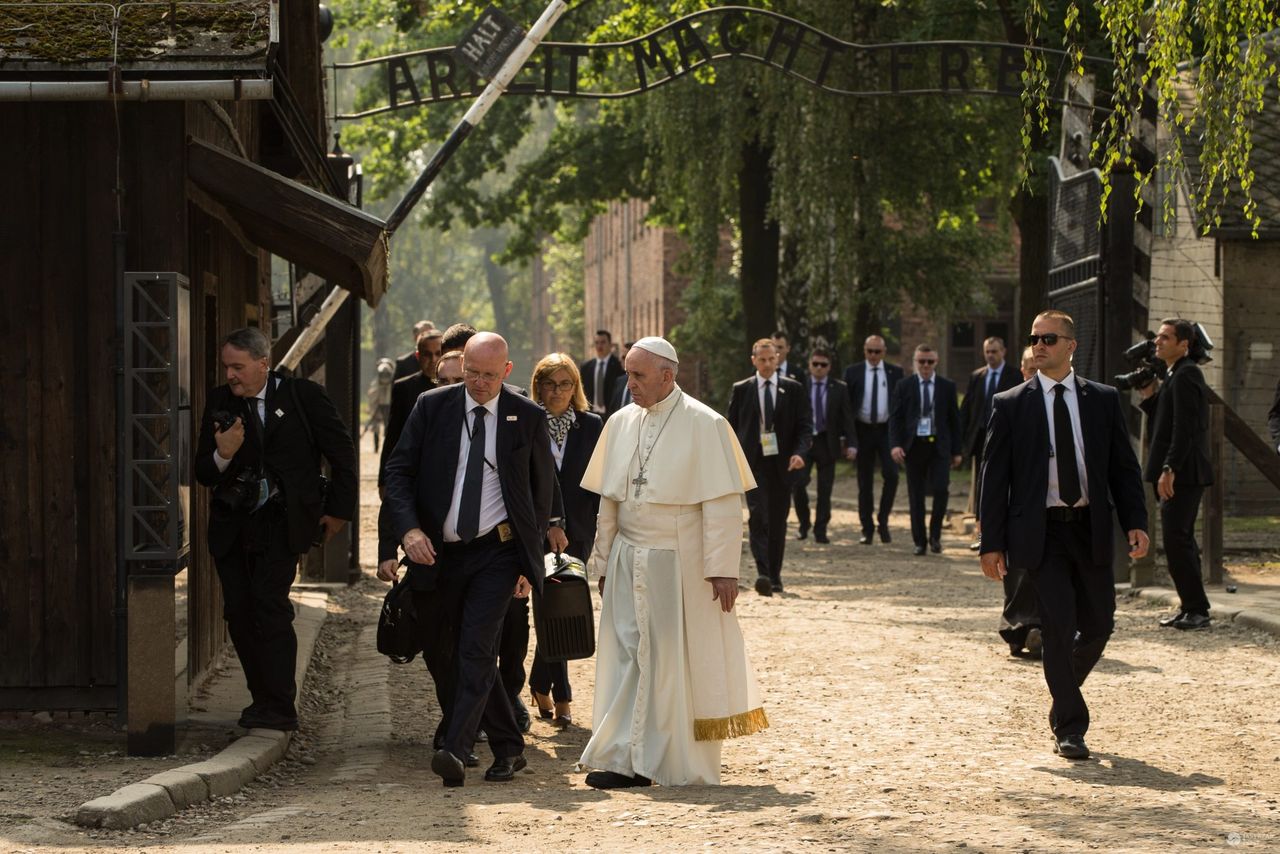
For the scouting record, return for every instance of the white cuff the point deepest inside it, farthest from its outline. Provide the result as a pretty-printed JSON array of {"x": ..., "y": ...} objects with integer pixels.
[{"x": 220, "y": 462}]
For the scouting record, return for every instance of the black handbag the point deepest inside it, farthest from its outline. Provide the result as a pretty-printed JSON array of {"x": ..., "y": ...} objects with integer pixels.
[
  {"x": 562, "y": 616},
  {"x": 398, "y": 636}
]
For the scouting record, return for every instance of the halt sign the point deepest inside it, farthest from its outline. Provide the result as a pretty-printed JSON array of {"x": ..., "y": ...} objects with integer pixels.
[{"x": 487, "y": 44}]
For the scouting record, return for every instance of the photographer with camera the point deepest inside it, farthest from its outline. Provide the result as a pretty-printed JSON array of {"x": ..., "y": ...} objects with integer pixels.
[
  {"x": 1178, "y": 463},
  {"x": 261, "y": 439}
]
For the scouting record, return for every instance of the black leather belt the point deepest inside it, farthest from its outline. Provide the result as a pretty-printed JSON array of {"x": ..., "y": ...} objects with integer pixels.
[
  {"x": 503, "y": 532},
  {"x": 1066, "y": 514}
]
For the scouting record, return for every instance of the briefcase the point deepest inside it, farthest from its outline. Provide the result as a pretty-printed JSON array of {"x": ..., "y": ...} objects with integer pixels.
[
  {"x": 398, "y": 637},
  {"x": 562, "y": 615}
]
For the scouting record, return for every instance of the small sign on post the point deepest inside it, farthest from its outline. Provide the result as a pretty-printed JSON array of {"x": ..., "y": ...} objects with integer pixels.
[{"x": 486, "y": 45}]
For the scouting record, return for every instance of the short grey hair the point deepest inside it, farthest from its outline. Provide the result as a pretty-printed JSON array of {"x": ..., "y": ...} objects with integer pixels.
[
  {"x": 252, "y": 340},
  {"x": 665, "y": 364}
]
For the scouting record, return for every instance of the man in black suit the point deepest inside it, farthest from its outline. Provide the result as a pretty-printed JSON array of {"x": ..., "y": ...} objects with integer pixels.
[
  {"x": 405, "y": 391},
  {"x": 481, "y": 538},
  {"x": 871, "y": 385},
  {"x": 770, "y": 414},
  {"x": 621, "y": 394},
  {"x": 1057, "y": 456},
  {"x": 600, "y": 374},
  {"x": 924, "y": 434},
  {"x": 268, "y": 504},
  {"x": 1179, "y": 453},
  {"x": 984, "y": 384},
  {"x": 785, "y": 369},
  {"x": 833, "y": 437},
  {"x": 407, "y": 364}
]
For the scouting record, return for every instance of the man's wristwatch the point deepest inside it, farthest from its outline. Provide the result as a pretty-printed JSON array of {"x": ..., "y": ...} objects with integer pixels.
[
  {"x": 557, "y": 522},
  {"x": 1166, "y": 469}
]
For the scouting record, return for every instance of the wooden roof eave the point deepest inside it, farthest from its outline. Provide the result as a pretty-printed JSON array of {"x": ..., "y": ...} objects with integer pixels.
[{"x": 324, "y": 235}]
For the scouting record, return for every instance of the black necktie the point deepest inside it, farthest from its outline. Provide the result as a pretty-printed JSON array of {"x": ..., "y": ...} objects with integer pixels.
[
  {"x": 927, "y": 408},
  {"x": 768, "y": 406},
  {"x": 597, "y": 387},
  {"x": 473, "y": 481},
  {"x": 875, "y": 395},
  {"x": 1065, "y": 439}
]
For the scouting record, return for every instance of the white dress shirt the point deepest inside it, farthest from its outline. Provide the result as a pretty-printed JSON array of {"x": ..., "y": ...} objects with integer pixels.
[
  {"x": 260, "y": 400},
  {"x": 882, "y": 408},
  {"x": 1072, "y": 396},
  {"x": 492, "y": 508}
]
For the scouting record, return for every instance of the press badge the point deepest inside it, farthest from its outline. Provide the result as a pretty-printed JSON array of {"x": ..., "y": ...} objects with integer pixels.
[
  {"x": 924, "y": 427},
  {"x": 769, "y": 443}
]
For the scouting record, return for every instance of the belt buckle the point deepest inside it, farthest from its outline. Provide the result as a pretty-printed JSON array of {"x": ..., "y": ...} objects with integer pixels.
[{"x": 505, "y": 534}]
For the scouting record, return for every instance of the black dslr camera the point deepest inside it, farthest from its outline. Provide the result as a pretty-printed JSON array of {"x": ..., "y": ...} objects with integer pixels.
[
  {"x": 240, "y": 491},
  {"x": 1147, "y": 367}
]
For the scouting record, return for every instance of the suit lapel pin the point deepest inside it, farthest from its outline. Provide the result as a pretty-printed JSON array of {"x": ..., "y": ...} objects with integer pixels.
[
  {"x": 513, "y": 418},
  {"x": 279, "y": 413}
]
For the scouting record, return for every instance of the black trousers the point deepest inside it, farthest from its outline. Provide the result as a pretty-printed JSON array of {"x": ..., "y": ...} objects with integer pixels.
[
  {"x": 767, "y": 506},
  {"x": 437, "y": 631},
  {"x": 1021, "y": 611},
  {"x": 928, "y": 470},
  {"x": 256, "y": 576},
  {"x": 513, "y": 648},
  {"x": 1077, "y": 611},
  {"x": 480, "y": 578},
  {"x": 873, "y": 446},
  {"x": 1178, "y": 534},
  {"x": 819, "y": 456}
]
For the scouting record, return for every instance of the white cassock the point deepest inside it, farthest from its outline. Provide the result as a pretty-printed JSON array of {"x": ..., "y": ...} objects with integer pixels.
[{"x": 672, "y": 677}]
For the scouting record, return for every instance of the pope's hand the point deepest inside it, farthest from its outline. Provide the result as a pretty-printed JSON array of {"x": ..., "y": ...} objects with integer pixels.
[
  {"x": 1139, "y": 542},
  {"x": 557, "y": 539},
  {"x": 418, "y": 547},
  {"x": 797, "y": 462},
  {"x": 724, "y": 589},
  {"x": 993, "y": 565},
  {"x": 388, "y": 570},
  {"x": 898, "y": 455}
]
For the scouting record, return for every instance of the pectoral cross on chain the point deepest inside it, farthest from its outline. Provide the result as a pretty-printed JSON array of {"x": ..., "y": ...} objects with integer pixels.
[{"x": 640, "y": 480}]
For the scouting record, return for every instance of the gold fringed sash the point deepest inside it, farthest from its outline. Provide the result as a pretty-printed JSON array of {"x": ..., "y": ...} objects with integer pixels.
[{"x": 734, "y": 726}]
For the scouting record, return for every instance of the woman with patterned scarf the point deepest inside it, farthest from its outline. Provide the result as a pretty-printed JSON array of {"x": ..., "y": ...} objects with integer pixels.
[{"x": 557, "y": 385}]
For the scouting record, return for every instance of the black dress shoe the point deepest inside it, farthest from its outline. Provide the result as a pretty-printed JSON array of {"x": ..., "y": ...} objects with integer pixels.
[
  {"x": 821, "y": 538},
  {"x": 612, "y": 780},
  {"x": 504, "y": 770},
  {"x": 764, "y": 586},
  {"x": 919, "y": 550},
  {"x": 802, "y": 534},
  {"x": 935, "y": 546},
  {"x": 865, "y": 539},
  {"x": 1070, "y": 747},
  {"x": 884, "y": 535},
  {"x": 471, "y": 760},
  {"x": 1170, "y": 621},
  {"x": 449, "y": 768},
  {"x": 1193, "y": 621},
  {"x": 261, "y": 721},
  {"x": 1034, "y": 643},
  {"x": 777, "y": 586}
]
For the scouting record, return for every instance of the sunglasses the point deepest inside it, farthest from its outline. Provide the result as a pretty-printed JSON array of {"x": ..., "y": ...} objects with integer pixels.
[
  {"x": 1049, "y": 339},
  {"x": 926, "y": 361},
  {"x": 819, "y": 364}
]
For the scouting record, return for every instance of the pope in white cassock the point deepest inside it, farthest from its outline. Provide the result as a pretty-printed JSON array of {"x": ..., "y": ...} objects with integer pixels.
[{"x": 672, "y": 678}]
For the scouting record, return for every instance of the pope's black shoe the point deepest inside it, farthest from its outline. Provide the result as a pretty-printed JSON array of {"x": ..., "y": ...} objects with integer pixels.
[
  {"x": 764, "y": 586},
  {"x": 1070, "y": 747},
  {"x": 449, "y": 767},
  {"x": 504, "y": 769},
  {"x": 612, "y": 780}
]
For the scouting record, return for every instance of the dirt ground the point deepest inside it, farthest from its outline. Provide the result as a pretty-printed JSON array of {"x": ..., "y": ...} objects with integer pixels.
[{"x": 899, "y": 723}]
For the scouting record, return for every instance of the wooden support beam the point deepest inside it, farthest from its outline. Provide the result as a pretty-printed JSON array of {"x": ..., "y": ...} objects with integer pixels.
[
  {"x": 1253, "y": 447},
  {"x": 1215, "y": 497}
]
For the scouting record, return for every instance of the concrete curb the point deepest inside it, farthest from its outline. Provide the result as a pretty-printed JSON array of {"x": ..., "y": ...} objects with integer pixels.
[{"x": 163, "y": 794}]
